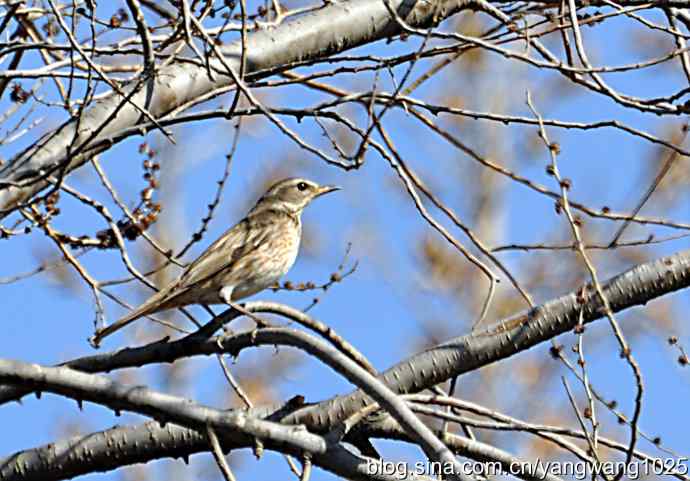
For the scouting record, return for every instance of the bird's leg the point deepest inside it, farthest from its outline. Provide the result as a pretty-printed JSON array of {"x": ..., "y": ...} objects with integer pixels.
[
  {"x": 218, "y": 321},
  {"x": 226, "y": 295}
]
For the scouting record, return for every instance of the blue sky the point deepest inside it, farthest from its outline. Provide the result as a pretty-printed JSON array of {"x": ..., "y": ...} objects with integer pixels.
[{"x": 384, "y": 308}]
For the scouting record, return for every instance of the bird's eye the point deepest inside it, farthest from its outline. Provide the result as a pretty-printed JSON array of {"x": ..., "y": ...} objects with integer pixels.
[{"x": 302, "y": 186}]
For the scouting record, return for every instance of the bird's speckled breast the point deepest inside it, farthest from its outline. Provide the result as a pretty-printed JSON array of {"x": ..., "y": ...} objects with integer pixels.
[{"x": 271, "y": 260}]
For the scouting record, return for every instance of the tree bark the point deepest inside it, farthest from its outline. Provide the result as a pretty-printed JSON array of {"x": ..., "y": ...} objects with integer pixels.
[
  {"x": 634, "y": 287},
  {"x": 335, "y": 28}
]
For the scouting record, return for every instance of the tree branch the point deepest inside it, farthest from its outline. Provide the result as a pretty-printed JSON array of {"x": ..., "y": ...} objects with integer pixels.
[
  {"x": 634, "y": 287},
  {"x": 163, "y": 407},
  {"x": 123, "y": 445},
  {"x": 335, "y": 28}
]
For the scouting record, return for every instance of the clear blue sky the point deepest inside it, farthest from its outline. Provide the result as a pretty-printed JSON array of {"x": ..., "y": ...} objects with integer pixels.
[{"x": 383, "y": 308}]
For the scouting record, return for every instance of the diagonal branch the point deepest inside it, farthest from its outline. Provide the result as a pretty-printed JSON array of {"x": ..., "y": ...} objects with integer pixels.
[
  {"x": 634, "y": 287},
  {"x": 463, "y": 354},
  {"x": 167, "y": 408},
  {"x": 334, "y": 28},
  {"x": 160, "y": 406}
]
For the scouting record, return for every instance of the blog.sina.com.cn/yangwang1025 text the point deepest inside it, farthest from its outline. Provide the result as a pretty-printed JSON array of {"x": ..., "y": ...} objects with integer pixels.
[{"x": 536, "y": 469}]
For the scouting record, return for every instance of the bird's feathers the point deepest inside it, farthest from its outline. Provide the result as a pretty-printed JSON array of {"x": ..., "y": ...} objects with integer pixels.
[
  {"x": 246, "y": 259},
  {"x": 222, "y": 255}
]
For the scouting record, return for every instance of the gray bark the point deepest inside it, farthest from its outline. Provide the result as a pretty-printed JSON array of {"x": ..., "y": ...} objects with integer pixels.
[
  {"x": 123, "y": 445},
  {"x": 634, "y": 287},
  {"x": 335, "y": 28}
]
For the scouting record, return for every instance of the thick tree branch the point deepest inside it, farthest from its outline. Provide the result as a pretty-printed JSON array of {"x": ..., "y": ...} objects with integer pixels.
[
  {"x": 466, "y": 353},
  {"x": 160, "y": 406},
  {"x": 123, "y": 445},
  {"x": 197, "y": 343},
  {"x": 335, "y": 28},
  {"x": 81, "y": 386}
]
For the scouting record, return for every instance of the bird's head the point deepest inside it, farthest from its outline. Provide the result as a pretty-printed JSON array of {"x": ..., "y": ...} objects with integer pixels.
[{"x": 292, "y": 195}]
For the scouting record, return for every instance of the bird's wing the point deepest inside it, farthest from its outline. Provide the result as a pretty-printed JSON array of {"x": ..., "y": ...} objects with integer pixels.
[
  {"x": 148, "y": 307},
  {"x": 234, "y": 244},
  {"x": 224, "y": 253}
]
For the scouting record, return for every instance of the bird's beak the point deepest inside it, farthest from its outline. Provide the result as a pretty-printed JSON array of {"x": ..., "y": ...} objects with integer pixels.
[{"x": 325, "y": 189}]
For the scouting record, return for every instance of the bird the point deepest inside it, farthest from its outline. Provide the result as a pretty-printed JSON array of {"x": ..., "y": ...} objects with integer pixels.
[{"x": 249, "y": 257}]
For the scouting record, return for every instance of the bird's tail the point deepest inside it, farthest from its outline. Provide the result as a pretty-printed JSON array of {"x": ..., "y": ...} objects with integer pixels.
[{"x": 147, "y": 307}]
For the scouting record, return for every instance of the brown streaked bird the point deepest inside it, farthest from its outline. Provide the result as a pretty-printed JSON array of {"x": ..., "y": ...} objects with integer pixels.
[{"x": 246, "y": 259}]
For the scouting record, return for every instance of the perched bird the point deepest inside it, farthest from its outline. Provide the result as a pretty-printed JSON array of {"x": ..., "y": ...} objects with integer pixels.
[{"x": 246, "y": 259}]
